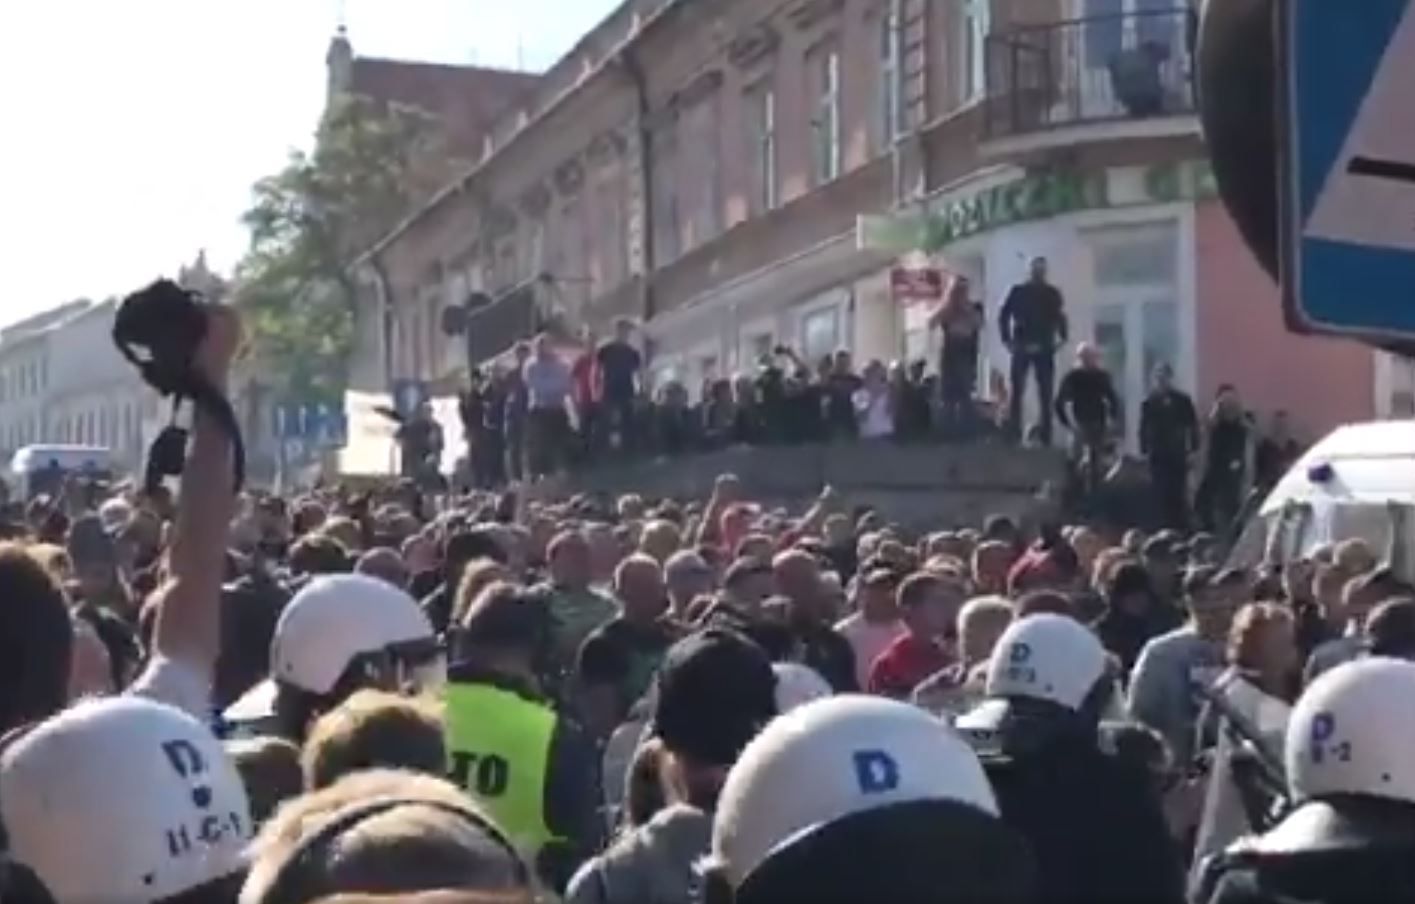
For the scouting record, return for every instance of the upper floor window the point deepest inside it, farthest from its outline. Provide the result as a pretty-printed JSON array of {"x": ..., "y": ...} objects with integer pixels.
[
  {"x": 760, "y": 106},
  {"x": 972, "y": 49},
  {"x": 890, "y": 123},
  {"x": 668, "y": 226},
  {"x": 824, "y": 68},
  {"x": 702, "y": 194}
]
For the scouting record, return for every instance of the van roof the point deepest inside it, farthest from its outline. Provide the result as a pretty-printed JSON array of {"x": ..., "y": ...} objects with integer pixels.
[
  {"x": 1371, "y": 463},
  {"x": 32, "y": 458}
]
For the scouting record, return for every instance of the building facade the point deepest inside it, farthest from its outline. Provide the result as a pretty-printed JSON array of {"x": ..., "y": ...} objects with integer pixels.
[
  {"x": 95, "y": 397},
  {"x": 743, "y": 174}
]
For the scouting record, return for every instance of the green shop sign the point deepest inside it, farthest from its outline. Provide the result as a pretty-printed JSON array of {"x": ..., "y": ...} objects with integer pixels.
[{"x": 953, "y": 216}]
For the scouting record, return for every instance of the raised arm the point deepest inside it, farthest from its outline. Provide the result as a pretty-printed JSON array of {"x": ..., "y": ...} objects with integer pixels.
[{"x": 188, "y": 627}]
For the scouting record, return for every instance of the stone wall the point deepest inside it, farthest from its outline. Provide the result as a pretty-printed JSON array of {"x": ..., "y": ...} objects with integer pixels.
[{"x": 917, "y": 486}]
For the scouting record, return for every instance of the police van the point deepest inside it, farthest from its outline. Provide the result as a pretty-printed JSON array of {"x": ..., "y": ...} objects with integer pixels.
[
  {"x": 1358, "y": 481},
  {"x": 42, "y": 469}
]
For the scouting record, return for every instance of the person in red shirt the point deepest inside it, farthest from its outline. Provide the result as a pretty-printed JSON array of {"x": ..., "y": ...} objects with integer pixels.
[
  {"x": 584, "y": 377},
  {"x": 928, "y": 605}
]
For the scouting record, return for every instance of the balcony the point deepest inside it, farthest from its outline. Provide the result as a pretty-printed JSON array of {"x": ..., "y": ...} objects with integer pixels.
[{"x": 1113, "y": 76}]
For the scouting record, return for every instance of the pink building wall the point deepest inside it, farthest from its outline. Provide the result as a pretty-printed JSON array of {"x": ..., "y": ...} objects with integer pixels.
[{"x": 1323, "y": 382}]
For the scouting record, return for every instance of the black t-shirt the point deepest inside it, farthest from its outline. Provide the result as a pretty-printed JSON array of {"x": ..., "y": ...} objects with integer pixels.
[
  {"x": 624, "y": 655},
  {"x": 1169, "y": 426},
  {"x": 840, "y": 396},
  {"x": 619, "y": 364},
  {"x": 1087, "y": 397}
]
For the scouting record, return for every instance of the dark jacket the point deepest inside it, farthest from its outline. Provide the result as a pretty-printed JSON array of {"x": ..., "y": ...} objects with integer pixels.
[
  {"x": 1361, "y": 851},
  {"x": 1093, "y": 820},
  {"x": 1125, "y": 634},
  {"x": 824, "y": 650},
  {"x": 572, "y": 787},
  {"x": 1169, "y": 426},
  {"x": 1033, "y": 318}
]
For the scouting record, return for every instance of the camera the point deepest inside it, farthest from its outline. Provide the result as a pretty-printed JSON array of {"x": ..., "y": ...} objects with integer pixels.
[{"x": 159, "y": 329}]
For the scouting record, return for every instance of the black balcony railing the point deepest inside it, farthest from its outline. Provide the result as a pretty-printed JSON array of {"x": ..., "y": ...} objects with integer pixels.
[{"x": 1129, "y": 66}]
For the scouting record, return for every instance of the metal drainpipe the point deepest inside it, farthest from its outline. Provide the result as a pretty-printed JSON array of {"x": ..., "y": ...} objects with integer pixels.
[
  {"x": 896, "y": 53},
  {"x": 634, "y": 69}
]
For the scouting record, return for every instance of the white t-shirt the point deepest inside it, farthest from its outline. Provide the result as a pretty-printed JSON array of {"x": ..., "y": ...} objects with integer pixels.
[
  {"x": 175, "y": 683},
  {"x": 868, "y": 640}
]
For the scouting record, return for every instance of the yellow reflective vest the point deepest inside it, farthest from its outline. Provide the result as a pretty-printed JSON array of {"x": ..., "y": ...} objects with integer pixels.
[{"x": 498, "y": 749}]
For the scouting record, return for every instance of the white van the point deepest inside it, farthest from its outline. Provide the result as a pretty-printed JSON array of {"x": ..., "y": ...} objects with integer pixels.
[
  {"x": 1343, "y": 487},
  {"x": 42, "y": 469}
]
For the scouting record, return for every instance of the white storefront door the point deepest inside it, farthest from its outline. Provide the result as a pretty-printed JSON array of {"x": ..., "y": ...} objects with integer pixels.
[{"x": 1137, "y": 308}]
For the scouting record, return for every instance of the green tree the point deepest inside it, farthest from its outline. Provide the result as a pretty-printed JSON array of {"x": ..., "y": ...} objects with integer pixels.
[{"x": 372, "y": 163}]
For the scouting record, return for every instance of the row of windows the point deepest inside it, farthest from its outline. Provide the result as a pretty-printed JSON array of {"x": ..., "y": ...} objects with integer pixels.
[
  {"x": 23, "y": 381},
  {"x": 583, "y": 240},
  {"x": 689, "y": 190},
  {"x": 115, "y": 429}
]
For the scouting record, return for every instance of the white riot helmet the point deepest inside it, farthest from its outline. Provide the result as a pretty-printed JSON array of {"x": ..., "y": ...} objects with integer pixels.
[
  {"x": 797, "y": 685},
  {"x": 123, "y": 799},
  {"x": 833, "y": 758},
  {"x": 1353, "y": 732},
  {"x": 334, "y": 621}
]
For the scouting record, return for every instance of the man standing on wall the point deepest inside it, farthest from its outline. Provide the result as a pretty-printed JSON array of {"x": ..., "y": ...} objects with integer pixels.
[
  {"x": 1033, "y": 324},
  {"x": 619, "y": 372},
  {"x": 1169, "y": 439}
]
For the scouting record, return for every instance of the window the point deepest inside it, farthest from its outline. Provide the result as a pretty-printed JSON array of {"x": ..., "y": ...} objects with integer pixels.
[
  {"x": 820, "y": 333},
  {"x": 667, "y": 226},
  {"x": 891, "y": 111},
  {"x": 759, "y": 346},
  {"x": 972, "y": 50},
  {"x": 703, "y": 195},
  {"x": 760, "y": 104},
  {"x": 611, "y": 257},
  {"x": 825, "y": 122}
]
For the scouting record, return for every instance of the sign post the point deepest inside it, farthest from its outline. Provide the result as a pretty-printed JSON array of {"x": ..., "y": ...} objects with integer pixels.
[{"x": 1348, "y": 167}]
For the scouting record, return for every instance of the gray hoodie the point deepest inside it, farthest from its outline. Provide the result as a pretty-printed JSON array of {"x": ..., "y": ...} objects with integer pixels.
[{"x": 653, "y": 864}]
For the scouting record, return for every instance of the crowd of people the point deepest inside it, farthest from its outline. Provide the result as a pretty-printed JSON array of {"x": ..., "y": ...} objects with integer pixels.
[
  {"x": 547, "y": 410},
  {"x": 525, "y": 695}
]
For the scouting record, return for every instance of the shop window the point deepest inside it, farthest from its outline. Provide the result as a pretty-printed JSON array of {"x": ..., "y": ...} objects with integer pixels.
[
  {"x": 820, "y": 334},
  {"x": 757, "y": 346},
  {"x": 1159, "y": 334}
]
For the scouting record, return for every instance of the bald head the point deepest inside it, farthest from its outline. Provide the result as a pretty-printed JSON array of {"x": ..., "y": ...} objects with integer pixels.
[
  {"x": 797, "y": 576},
  {"x": 660, "y": 539},
  {"x": 386, "y": 565},
  {"x": 688, "y": 576},
  {"x": 568, "y": 557},
  {"x": 638, "y": 582}
]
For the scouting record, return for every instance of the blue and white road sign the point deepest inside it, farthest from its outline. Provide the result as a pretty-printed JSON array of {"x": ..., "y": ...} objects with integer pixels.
[
  {"x": 317, "y": 424},
  {"x": 408, "y": 395},
  {"x": 1349, "y": 230}
]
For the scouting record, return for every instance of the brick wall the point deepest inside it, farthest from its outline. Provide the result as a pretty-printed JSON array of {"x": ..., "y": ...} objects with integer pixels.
[{"x": 1242, "y": 340}]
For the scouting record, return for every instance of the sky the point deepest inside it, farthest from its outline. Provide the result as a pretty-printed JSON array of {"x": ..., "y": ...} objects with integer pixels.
[{"x": 134, "y": 129}]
